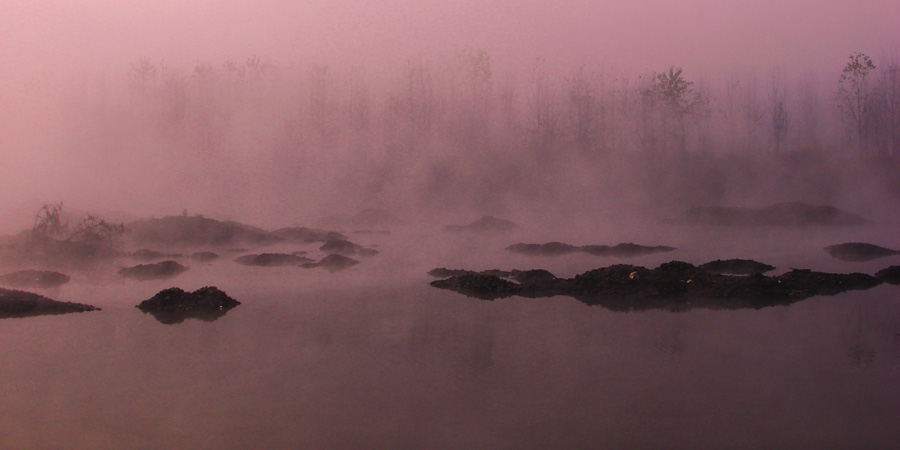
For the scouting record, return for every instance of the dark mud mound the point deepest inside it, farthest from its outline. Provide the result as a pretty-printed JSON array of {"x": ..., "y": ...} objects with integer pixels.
[
  {"x": 782, "y": 214},
  {"x": 442, "y": 272},
  {"x": 446, "y": 273},
  {"x": 302, "y": 235},
  {"x": 147, "y": 255},
  {"x": 626, "y": 250},
  {"x": 16, "y": 304},
  {"x": 672, "y": 286},
  {"x": 44, "y": 250},
  {"x": 736, "y": 267},
  {"x": 548, "y": 249},
  {"x": 486, "y": 224},
  {"x": 890, "y": 275},
  {"x": 155, "y": 271},
  {"x": 333, "y": 263},
  {"x": 34, "y": 279},
  {"x": 481, "y": 286},
  {"x": 272, "y": 260},
  {"x": 196, "y": 231},
  {"x": 859, "y": 251},
  {"x": 346, "y": 248},
  {"x": 205, "y": 256},
  {"x": 173, "y": 305}
]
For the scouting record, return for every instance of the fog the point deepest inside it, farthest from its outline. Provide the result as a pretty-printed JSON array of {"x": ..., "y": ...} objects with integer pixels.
[{"x": 278, "y": 113}]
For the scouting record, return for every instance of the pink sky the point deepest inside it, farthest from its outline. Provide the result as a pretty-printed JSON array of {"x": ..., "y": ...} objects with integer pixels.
[{"x": 631, "y": 35}]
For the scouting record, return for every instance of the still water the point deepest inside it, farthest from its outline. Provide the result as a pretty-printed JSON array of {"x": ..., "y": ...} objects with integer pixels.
[{"x": 374, "y": 357}]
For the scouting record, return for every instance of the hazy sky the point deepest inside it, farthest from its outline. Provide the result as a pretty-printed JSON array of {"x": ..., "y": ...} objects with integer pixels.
[{"x": 633, "y": 35}]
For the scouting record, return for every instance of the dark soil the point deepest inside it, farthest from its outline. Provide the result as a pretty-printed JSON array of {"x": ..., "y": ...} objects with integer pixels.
[
  {"x": 626, "y": 250},
  {"x": 196, "y": 231},
  {"x": 859, "y": 251},
  {"x": 205, "y": 256},
  {"x": 155, "y": 271},
  {"x": 548, "y": 249},
  {"x": 673, "y": 286},
  {"x": 890, "y": 274},
  {"x": 736, "y": 267},
  {"x": 34, "y": 279},
  {"x": 346, "y": 248},
  {"x": 333, "y": 263},
  {"x": 16, "y": 304},
  {"x": 173, "y": 305}
]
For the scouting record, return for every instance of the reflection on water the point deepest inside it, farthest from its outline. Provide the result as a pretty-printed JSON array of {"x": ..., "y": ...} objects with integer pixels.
[{"x": 313, "y": 359}]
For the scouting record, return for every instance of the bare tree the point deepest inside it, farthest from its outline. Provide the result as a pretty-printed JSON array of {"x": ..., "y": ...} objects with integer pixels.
[
  {"x": 752, "y": 111},
  {"x": 853, "y": 99},
  {"x": 886, "y": 104},
  {"x": 679, "y": 102},
  {"x": 543, "y": 105},
  {"x": 140, "y": 75},
  {"x": 586, "y": 110},
  {"x": 779, "y": 116}
]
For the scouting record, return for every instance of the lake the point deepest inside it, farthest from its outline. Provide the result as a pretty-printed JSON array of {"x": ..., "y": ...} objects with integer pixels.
[{"x": 374, "y": 357}]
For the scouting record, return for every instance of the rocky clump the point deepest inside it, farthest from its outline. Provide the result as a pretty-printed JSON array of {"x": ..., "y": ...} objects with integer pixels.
[
  {"x": 674, "y": 285},
  {"x": 782, "y": 214},
  {"x": 333, "y": 263},
  {"x": 626, "y": 250},
  {"x": 173, "y": 305},
  {"x": 486, "y": 224},
  {"x": 346, "y": 248},
  {"x": 736, "y": 267},
  {"x": 187, "y": 230},
  {"x": 548, "y": 249},
  {"x": 34, "y": 279},
  {"x": 16, "y": 304},
  {"x": 155, "y": 271},
  {"x": 889, "y": 275},
  {"x": 272, "y": 260},
  {"x": 205, "y": 256},
  {"x": 859, "y": 251}
]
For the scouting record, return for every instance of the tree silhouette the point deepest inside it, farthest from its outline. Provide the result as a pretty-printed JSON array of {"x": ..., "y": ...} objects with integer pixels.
[
  {"x": 678, "y": 101},
  {"x": 852, "y": 93}
]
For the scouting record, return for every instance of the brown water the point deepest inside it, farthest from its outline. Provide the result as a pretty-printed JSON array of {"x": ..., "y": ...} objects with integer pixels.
[{"x": 375, "y": 358}]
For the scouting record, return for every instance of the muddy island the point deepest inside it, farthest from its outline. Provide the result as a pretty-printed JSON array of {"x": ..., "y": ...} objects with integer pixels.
[
  {"x": 859, "y": 251},
  {"x": 674, "y": 286},
  {"x": 205, "y": 256},
  {"x": 347, "y": 248},
  {"x": 174, "y": 305},
  {"x": 333, "y": 263},
  {"x": 16, "y": 304},
  {"x": 736, "y": 267},
  {"x": 156, "y": 271},
  {"x": 34, "y": 279}
]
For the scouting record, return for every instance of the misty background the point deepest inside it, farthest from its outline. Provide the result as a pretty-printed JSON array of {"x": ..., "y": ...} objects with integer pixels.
[{"x": 278, "y": 113}]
